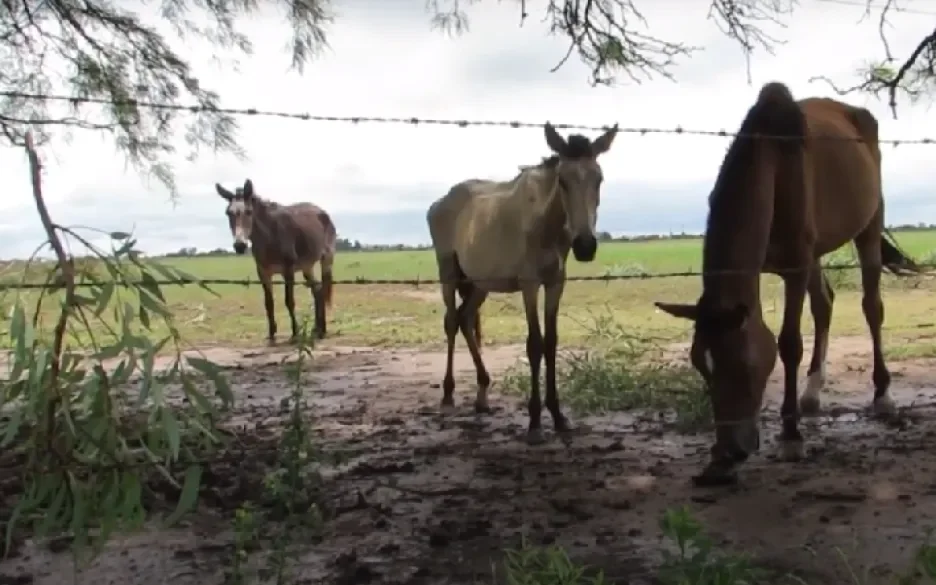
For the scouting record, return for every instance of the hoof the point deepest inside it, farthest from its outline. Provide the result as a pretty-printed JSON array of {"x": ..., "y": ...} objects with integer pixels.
[
  {"x": 792, "y": 450},
  {"x": 447, "y": 407},
  {"x": 884, "y": 407},
  {"x": 320, "y": 335},
  {"x": 535, "y": 437},
  {"x": 716, "y": 475},
  {"x": 482, "y": 408},
  {"x": 809, "y": 405},
  {"x": 271, "y": 341}
]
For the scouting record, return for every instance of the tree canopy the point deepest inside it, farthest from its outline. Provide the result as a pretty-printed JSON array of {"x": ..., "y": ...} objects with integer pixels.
[{"x": 100, "y": 50}]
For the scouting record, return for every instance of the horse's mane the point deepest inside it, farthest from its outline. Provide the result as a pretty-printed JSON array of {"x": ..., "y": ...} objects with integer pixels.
[{"x": 731, "y": 213}]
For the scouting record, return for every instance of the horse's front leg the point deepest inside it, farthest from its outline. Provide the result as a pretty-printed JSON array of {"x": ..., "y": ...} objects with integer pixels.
[
  {"x": 266, "y": 282},
  {"x": 551, "y": 298},
  {"x": 790, "y": 346},
  {"x": 821, "y": 298},
  {"x": 289, "y": 284},
  {"x": 534, "y": 348}
]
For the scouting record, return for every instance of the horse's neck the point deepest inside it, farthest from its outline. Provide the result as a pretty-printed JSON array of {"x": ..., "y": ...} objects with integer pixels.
[
  {"x": 264, "y": 228},
  {"x": 737, "y": 238},
  {"x": 546, "y": 210}
]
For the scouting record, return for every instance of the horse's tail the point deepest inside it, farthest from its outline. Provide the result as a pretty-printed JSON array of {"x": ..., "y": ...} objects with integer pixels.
[
  {"x": 895, "y": 260},
  {"x": 328, "y": 257},
  {"x": 464, "y": 291}
]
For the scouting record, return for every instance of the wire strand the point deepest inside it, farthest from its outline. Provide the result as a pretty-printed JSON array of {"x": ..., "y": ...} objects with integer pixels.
[
  {"x": 429, "y": 281},
  {"x": 416, "y": 121}
]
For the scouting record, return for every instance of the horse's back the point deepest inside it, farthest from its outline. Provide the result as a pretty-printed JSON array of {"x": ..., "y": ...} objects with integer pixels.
[
  {"x": 468, "y": 204},
  {"x": 844, "y": 160},
  {"x": 306, "y": 232},
  {"x": 481, "y": 225}
]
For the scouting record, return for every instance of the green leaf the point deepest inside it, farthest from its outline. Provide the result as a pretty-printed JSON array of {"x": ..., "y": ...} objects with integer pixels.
[
  {"x": 150, "y": 284},
  {"x": 119, "y": 235},
  {"x": 12, "y": 427},
  {"x": 173, "y": 433},
  {"x": 104, "y": 297},
  {"x": 189, "y": 495},
  {"x": 214, "y": 372},
  {"x": 144, "y": 317},
  {"x": 153, "y": 305}
]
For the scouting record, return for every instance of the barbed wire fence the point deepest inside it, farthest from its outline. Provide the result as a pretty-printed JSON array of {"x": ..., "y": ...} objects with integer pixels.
[{"x": 75, "y": 101}]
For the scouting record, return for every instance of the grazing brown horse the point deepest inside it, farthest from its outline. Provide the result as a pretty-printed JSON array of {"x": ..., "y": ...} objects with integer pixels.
[
  {"x": 515, "y": 236},
  {"x": 778, "y": 205},
  {"x": 284, "y": 239}
]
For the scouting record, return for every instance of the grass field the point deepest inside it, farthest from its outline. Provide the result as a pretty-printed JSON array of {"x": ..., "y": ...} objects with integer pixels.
[{"x": 409, "y": 315}]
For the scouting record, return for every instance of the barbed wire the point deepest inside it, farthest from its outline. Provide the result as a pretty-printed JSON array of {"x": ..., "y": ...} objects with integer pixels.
[
  {"x": 417, "y": 121},
  {"x": 416, "y": 282}
]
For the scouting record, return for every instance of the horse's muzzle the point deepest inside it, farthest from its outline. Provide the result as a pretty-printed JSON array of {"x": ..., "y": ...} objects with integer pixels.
[
  {"x": 240, "y": 247},
  {"x": 739, "y": 442},
  {"x": 584, "y": 247}
]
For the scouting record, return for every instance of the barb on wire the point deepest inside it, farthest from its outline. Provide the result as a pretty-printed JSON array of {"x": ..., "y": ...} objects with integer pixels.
[
  {"x": 421, "y": 281},
  {"x": 416, "y": 121}
]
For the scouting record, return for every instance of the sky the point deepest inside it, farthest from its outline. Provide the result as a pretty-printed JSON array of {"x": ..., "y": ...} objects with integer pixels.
[{"x": 377, "y": 180}]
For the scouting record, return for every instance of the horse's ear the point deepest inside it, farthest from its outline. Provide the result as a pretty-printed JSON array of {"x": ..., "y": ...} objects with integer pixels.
[
  {"x": 554, "y": 140},
  {"x": 224, "y": 192},
  {"x": 601, "y": 144},
  {"x": 690, "y": 312},
  {"x": 248, "y": 189}
]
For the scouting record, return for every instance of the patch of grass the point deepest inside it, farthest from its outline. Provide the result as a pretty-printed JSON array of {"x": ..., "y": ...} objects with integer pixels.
[
  {"x": 547, "y": 566},
  {"x": 690, "y": 558},
  {"x": 621, "y": 371},
  {"x": 697, "y": 562}
]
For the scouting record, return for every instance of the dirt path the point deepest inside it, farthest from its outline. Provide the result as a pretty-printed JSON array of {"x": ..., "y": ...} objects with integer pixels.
[{"x": 427, "y": 499}]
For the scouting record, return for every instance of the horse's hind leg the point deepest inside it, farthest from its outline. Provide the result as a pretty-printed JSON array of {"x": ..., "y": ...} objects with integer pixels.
[
  {"x": 318, "y": 305},
  {"x": 474, "y": 297},
  {"x": 821, "y": 298},
  {"x": 868, "y": 246},
  {"x": 289, "y": 284}
]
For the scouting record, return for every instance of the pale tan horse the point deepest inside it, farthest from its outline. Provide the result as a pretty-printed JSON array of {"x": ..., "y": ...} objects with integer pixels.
[
  {"x": 284, "y": 239},
  {"x": 515, "y": 236},
  {"x": 801, "y": 180}
]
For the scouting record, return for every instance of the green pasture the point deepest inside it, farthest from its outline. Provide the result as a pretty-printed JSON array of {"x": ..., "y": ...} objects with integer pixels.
[{"x": 380, "y": 315}]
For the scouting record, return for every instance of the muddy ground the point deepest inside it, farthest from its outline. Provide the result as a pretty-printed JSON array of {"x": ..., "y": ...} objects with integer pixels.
[{"x": 426, "y": 499}]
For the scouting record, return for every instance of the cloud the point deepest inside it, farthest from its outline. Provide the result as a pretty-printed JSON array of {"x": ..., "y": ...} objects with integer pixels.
[{"x": 385, "y": 60}]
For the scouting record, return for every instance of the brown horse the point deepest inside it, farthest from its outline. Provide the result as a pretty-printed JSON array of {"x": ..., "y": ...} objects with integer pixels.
[
  {"x": 515, "y": 236},
  {"x": 801, "y": 179},
  {"x": 284, "y": 239}
]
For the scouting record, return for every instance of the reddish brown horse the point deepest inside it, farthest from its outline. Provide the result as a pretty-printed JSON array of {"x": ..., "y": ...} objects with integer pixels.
[
  {"x": 801, "y": 179},
  {"x": 284, "y": 239}
]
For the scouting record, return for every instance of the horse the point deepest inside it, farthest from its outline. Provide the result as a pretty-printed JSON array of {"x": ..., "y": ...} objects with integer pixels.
[
  {"x": 515, "y": 236},
  {"x": 284, "y": 239},
  {"x": 800, "y": 179}
]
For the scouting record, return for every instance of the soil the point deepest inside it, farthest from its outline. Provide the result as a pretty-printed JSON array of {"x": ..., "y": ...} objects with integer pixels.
[{"x": 419, "y": 498}]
